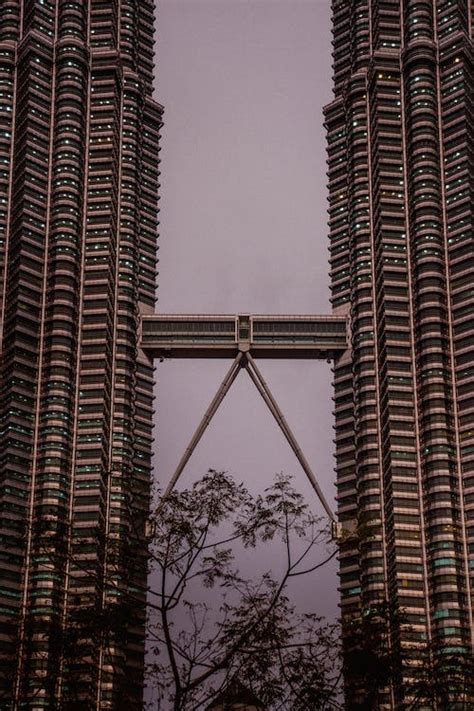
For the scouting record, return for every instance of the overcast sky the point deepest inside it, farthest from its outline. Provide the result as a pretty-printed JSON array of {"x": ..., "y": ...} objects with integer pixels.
[{"x": 244, "y": 227}]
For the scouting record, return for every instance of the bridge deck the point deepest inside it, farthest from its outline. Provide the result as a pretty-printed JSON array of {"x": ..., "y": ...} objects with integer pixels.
[{"x": 222, "y": 336}]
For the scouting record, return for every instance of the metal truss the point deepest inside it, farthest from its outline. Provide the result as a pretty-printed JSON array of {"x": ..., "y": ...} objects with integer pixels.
[{"x": 244, "y": 361}]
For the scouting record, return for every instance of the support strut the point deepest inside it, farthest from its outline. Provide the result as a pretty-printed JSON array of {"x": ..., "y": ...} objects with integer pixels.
[
  {"x": 262, "y": 387},
  {"x": 246, "y": 361},
  {"x": 208, "y": 415}
]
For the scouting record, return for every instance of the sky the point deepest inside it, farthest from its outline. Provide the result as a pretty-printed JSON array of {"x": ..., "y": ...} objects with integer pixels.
[{"x": 244, "y": 230}]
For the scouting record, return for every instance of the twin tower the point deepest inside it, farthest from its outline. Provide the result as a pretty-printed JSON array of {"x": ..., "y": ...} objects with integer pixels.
[{"x": 79, "y": 134}]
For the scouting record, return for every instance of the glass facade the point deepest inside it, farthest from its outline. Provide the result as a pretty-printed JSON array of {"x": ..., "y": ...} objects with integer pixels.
[
  {"x": 79, "y": 133},
  {"x": 400, "y": 137}
]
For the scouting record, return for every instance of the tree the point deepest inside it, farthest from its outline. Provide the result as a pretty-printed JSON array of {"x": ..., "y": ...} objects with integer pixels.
[
  {"x": 211, "y": 625},
  {"x": 442, "y": 678},
  {"x": 430, "y": 675},
  {"x": 369, "y": 663}
]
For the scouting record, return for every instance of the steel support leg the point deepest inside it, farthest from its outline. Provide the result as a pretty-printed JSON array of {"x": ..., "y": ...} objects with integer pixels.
[
  {"x": 207, "y": 417},
  {"x": 267, "y": 396}
]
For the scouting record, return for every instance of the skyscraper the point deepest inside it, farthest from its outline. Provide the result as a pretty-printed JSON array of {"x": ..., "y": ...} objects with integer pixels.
[
  {"x": 400, "y": 156},
  {"x": 79, "y": 134}
]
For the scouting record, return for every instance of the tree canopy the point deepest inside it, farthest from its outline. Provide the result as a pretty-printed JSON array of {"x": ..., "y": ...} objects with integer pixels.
[{"x": 210, "y": 624}]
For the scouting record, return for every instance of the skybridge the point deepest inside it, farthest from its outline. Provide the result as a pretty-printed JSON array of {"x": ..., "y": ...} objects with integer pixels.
[
  {"x": 221, "y": 336},
  {"x": 243, "y": 338}
]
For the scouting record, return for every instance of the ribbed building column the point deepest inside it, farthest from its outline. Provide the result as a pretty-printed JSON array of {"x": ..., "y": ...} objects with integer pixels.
[
  {"x": 79, "y": 134},
  {"x": 401, "y": 250}
]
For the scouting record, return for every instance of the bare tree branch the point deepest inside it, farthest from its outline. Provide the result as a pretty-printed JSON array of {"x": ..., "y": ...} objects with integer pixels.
[{"x": 254, "y": 633}]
